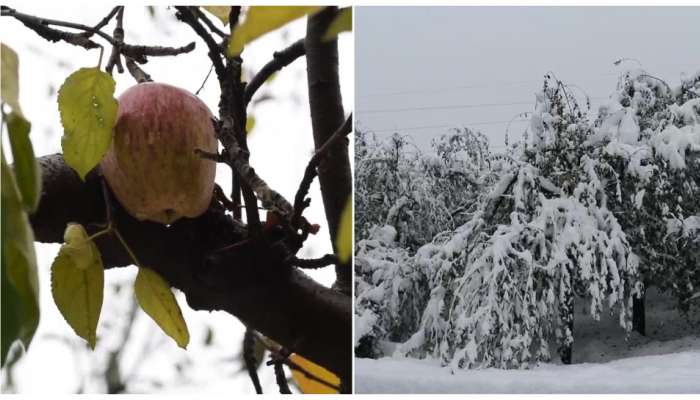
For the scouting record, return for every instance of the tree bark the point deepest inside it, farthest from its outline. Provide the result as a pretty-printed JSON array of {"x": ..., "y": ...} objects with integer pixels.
[
  {"x": 250, "y": 282},
  {"x": 639, "y": 315},
  {"x": 327, "y": 115}
]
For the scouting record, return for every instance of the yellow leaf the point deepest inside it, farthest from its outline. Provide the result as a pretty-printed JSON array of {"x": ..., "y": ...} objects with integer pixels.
[
  {"x": 78, "y": 247},
  {"x": 343, "y": 240},
  {"x": 249, "y": 124},
  {"x": 311, "y": 386},
  {"x": 341, "y": 23},
  {"x": 263, "y": 19},
  {"x": 9, "y": 65},
  {"x": 77, "y": 283},
  {"x": 157, "y": 300},
  {"x": 220, "y": 12}
]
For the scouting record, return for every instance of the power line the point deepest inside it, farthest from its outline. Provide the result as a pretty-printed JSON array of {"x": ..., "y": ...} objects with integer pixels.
[
  {"x": 472, "y": 86},
  {"x": 444, "y": 107},
  {"x": 412, "y": 128},
  {"x": 449, "y": 88},
  {"x": 454, "y": 106}
]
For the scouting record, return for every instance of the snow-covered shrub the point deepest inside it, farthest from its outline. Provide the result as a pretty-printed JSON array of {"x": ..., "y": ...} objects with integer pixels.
[
  {"x": 419, "y": 193},
  {"x": 390, "y": 292}
]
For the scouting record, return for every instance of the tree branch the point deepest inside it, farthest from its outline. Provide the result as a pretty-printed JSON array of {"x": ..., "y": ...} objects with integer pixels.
[
  {"x": 252, "y": 283},
  {"x": 311, "y": 169},
  {"x": 41, "y": 27},
  {"x": 280, "y": 59},
  {"x": 327, "y": 115}
]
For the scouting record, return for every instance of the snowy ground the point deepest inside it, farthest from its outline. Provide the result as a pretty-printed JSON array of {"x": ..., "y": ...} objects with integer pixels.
[{"x": 667, "y": 360}]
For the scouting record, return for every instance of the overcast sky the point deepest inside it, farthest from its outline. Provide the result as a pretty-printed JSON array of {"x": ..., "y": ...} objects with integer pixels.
[{"x": 487, "y": 58}]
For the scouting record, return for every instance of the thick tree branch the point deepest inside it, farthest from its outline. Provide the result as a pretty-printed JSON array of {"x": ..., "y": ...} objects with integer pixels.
[
  {"x": 252, "y": 282},
  {"x": 327, "y": 115}
]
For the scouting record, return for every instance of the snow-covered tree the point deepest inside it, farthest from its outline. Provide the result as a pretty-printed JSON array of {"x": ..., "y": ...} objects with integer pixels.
[
  {"x": 504, "y": 286},
  {"x": 390, "y": 292},
  {"x": 578, "y": 210},
  {"x": 419, "y": 193},
  {"x": 651, "y": 135}
]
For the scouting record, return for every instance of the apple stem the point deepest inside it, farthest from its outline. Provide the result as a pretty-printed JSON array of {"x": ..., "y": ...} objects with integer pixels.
[{"x": 101, "y": 233}]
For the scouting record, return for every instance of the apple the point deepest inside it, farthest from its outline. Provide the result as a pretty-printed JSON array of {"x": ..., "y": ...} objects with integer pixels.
[{"x": 151, "y": 165}]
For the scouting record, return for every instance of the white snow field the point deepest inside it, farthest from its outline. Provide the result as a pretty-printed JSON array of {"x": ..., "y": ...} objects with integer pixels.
[
  {"x": 669, "y": 373},
  {"x": 667, "y": 360}
]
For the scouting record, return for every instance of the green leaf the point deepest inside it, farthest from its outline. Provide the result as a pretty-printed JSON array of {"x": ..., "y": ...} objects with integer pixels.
[
  {"x": 263, "y": 19},
  {"x": 77, "y": 282},
  {"x": 9, "y": 66},
  {"x": 20, "y": 282},
  {"x": 343, "y": 240},
  {"x": 220, "y": 12},
  {"x": 157, "y": 300},
  {"x": 26, "y": 167},
  {"x": 341, "y": 23},
  {"x": 88, "y": 112}
]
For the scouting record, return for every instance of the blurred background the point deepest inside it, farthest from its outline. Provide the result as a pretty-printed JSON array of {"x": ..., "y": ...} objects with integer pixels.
[{"x": 132, "y": 354}]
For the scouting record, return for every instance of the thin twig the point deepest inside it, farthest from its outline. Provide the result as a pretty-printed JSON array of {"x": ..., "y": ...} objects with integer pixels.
[
  {"x": 41, "y": 27},
  {"x": 249, "y": 358},
  {"x": 115, "y": 57},
  {"x": 206, "y": 78},
  {"x": 216, "y": 157},
  {"x": 280, "y": 59},
  {"x": 282, "y": 354},
  {"x": 185, "y": 15},
  {"x": 313, "y": 263},
  {"x": 139, "y": 74},
  {"x": 209, "y": 24},
  {"x": 311, "y": 172},
  {"x": 281, "y": 378},
  {"x": 103, "y": 22}
]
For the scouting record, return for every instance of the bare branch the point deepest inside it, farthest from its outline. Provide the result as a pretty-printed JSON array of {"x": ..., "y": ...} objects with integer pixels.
[
  {"x": 311, "y": 172},
  {"x": 139, "y": 74},
  {"x": 314, "y": 263},
  {"x": 249, "y": 358},
  {"x": 208, "y": 23},
  {"x": 115, "y": 57},
  {"x": 41, "y": 27},
  {"x": 280, "y": 59}
]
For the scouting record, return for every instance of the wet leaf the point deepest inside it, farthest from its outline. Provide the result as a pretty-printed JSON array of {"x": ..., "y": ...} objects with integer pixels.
[
  {"x": 77, "y": 283},
  {"x": 20, "y": 287},
  {"x": 88, "y": 112},
  {"x": 156, "y": 298},
  {"x": 27, "y": 171}
]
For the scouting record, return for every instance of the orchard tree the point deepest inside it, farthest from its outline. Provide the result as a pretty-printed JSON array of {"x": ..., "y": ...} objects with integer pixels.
[
  {"x": 581, "y": 211},
  {"x": 135, "y": 186},
  {"x": 651, "y": 137}
]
